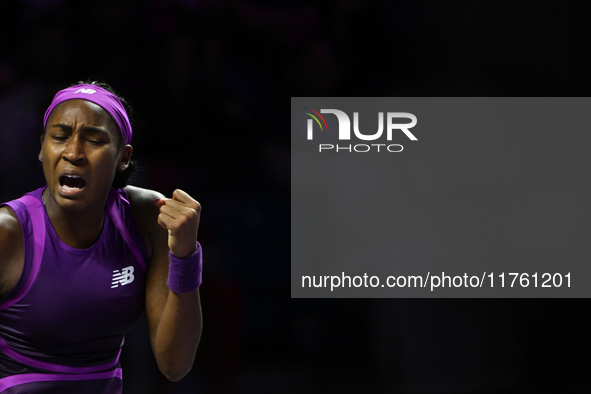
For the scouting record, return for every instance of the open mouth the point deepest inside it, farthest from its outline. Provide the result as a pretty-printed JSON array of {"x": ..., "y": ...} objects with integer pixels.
[{"x": 72, "y": 182}]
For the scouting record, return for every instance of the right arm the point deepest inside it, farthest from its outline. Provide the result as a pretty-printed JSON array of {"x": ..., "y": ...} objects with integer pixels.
[{"x": 12, "y": 255}]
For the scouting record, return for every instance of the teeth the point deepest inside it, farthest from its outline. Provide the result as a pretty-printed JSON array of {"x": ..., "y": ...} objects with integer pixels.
[{"x": 72, "y": 181}]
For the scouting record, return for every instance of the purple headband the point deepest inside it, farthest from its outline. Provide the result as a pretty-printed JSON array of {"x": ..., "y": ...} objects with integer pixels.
[{"x": 107, "y": 100}]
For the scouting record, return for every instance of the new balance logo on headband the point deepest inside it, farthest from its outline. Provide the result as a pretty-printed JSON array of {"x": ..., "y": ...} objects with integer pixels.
[
  {"x": 87, "y": 91},
  {"x": 124, "y": 277}
]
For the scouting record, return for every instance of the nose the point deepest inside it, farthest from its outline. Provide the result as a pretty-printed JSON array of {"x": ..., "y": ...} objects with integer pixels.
[{"x": 74, "y": 150}]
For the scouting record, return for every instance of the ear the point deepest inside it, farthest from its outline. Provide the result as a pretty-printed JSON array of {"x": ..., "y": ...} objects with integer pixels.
[
  {"x": 41, "y": 151},
  {"x": 125, "y": 157}
]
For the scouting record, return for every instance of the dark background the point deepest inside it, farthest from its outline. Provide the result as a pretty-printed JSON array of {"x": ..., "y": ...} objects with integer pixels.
[{"x": 210, "y": 82}]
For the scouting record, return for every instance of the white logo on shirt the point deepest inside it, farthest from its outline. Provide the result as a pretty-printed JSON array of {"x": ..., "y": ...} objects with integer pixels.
[
  {"x": 87, "y": 91},
  {"x": 122, "y": 278}
]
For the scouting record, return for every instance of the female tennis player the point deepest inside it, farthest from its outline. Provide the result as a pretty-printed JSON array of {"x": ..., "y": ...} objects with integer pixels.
[{"x": 82, "y": 257}]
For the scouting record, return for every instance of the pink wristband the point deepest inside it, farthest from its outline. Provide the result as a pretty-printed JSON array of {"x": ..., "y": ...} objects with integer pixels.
[{"x": 184, "y": 275}]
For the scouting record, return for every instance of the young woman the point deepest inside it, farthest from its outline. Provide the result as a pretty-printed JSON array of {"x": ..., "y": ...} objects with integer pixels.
[{"x": 82, "y": 257}]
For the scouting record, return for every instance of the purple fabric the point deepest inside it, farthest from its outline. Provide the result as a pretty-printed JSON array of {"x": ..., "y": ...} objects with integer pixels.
[
  {"x": 107, "y": 100},
  {"x": 184, "y": 275},
  {"x": 72, "y": 316},
  {"x": 54, "y": 367},
  {"x": 16, "y": 380}
]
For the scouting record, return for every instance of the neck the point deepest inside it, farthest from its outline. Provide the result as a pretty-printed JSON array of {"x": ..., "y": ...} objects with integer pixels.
[{"x": 78, "y": 229}]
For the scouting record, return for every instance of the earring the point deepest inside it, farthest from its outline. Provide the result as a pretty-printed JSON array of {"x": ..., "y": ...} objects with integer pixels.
[
  {"x": 40, "y": 158},
  {"x": 122, "y": 166}
]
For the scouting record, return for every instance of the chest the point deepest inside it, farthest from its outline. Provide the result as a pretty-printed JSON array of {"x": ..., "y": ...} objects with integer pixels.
[{"x": 79, "y": 295}]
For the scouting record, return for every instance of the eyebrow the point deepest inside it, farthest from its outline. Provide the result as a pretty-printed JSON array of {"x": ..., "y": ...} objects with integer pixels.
[{"x": 67, "y": 127}]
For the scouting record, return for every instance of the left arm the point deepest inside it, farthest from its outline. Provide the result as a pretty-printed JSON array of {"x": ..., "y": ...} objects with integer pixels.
[{"x": 174, "y": 319}]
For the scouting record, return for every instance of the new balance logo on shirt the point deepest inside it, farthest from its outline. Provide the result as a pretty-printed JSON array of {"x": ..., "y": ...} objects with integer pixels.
[{"x": 123, "y": 277}]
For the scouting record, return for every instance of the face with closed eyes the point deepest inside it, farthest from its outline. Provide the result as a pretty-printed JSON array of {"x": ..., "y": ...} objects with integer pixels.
[{"x": 80, "y": 151}]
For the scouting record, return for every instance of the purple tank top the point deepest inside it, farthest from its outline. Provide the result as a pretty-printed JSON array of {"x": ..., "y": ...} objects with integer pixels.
[{"x": 62, "y": 327}]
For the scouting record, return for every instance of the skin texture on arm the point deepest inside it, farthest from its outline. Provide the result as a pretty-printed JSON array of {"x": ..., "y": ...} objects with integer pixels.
[
  {"x": 12, "y": 254},
  {"x": 174, "y": 319}
]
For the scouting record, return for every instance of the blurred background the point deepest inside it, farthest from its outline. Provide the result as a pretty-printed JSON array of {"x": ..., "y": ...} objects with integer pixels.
[{"x": 210, "y": 81}]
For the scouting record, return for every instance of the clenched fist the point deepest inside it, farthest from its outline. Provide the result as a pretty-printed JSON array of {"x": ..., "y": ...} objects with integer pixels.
[{"x": 180, "y": 216}]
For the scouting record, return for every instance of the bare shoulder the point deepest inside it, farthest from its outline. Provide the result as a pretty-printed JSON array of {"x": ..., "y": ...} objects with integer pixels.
[
  {"x": 142, "y": 199},
  {"x": 145, "y": 212},
  {"x": 10, "y": 230},
  {"x": 143, "y": 205},
  {"x": 11, "y": 250}
]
